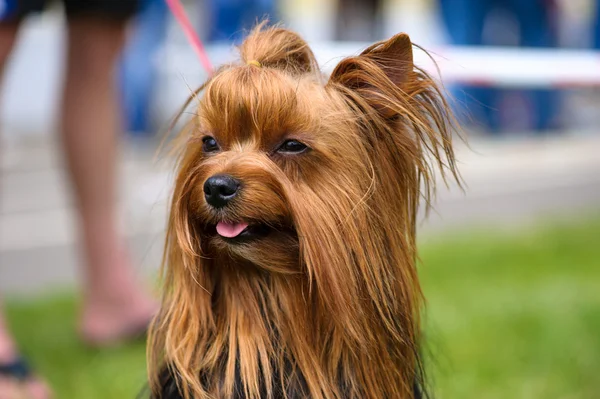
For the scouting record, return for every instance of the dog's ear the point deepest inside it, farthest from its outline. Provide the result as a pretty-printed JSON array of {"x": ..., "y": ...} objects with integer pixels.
[
  {"x": 378, "y": 71},
  {"x": 393, "y": 56},
  {"x": 383, "y": 87}
]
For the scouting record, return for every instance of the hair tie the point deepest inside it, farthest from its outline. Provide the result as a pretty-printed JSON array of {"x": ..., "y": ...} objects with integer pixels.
[{"x": 254, "y": 62}]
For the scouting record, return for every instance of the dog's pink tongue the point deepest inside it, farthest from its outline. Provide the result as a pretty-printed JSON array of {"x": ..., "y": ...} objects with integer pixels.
[{"x": 230, "y": 230}]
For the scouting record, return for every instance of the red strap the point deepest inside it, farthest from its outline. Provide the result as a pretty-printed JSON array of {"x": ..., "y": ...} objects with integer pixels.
[{"x": 179, "y": 13}]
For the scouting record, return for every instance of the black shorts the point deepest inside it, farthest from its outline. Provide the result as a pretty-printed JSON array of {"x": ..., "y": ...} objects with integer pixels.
[{"x": 13, "y": 10}]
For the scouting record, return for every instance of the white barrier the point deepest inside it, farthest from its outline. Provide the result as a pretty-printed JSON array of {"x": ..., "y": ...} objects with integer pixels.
[
  {"x": 499, "y": 66},
  {"x": 481, "y": 66}
]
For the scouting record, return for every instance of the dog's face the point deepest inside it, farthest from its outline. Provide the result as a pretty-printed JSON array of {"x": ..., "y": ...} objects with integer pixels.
[{"x": 270, "y": 150}]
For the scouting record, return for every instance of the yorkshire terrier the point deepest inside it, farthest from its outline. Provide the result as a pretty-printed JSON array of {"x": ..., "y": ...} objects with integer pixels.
[{"x": 290, "y": 260}]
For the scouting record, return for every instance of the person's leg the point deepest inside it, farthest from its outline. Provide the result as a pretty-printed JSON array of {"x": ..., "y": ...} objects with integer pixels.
[
  {"x": 535, "y": 23},
  {"x": 114, "y": 304},
  {"x": 464, "y": 21},
  {"x": 138, "y": 70},
  {"x": 596, "y": 27},
  {"x": 8, "y": 348},
  {"x": 229, "y": 20},
  {"x": 33, "y": 387}
]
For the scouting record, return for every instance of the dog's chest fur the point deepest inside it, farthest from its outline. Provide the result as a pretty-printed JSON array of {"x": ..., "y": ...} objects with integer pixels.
[{"x": 169, "y": 390}]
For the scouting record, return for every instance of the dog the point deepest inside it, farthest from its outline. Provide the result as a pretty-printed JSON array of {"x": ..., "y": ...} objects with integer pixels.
[{"x": 290, "y": 259}]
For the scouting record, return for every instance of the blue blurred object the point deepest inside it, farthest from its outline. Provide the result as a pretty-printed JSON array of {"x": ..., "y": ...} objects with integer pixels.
[
  {"x": 465, "y": 20},
  {"x": 7, "y": 8},
  {"x": 596, "y": 24},
  {"x": 137, "y": 68},
  {"x": 229, "y": 18}
]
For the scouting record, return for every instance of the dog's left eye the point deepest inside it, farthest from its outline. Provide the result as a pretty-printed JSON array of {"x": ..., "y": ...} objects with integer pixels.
[
  {"x": 292, "y": 147},
  {"x": 209, "y": 144}
]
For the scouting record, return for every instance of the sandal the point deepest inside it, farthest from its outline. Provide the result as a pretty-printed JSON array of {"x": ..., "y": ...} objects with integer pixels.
[
  {"x": 17, "y": 369},
  {"x": 25, "y": 380}
]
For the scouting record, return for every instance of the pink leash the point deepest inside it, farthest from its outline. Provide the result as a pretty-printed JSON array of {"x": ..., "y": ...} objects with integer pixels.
[{"x": 179, "y": 13}]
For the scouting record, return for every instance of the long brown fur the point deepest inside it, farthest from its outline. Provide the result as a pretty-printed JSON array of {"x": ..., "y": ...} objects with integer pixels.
[{"x": 327, "y": 305}]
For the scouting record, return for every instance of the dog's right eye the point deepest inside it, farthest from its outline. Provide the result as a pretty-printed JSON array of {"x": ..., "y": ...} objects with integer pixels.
[
  {"x": 292, "y": 147},
  {"x": 209, "y": 144}
]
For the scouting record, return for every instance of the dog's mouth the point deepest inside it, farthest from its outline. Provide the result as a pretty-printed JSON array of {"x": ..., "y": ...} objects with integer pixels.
[{"x": 241, "y": 231}]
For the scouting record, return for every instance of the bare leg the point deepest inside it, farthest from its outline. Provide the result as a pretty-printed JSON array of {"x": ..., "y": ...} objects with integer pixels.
[
  {"x": 34, "y": 387},
  {"x": 115, "y": 306},
  {"x": 8, "y": 348}
]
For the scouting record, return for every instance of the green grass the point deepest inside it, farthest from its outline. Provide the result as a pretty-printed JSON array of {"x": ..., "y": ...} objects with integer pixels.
[
  {"x": 46, "y": 332},
  {"x": 510, "y": 315},
  {"x": 515, "y": 315}
]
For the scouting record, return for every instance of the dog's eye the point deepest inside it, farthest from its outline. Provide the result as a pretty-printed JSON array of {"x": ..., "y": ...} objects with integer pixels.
[
  {"x": 292, "y": 147},
  {"x": 209, "y": 144}
]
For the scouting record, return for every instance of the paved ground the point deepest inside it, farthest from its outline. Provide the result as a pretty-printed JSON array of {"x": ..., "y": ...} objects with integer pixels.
[{"x": 509, "y": 182}]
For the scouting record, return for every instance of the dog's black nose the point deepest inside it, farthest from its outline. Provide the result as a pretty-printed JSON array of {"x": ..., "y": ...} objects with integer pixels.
[{"x": 220, "y": 189}]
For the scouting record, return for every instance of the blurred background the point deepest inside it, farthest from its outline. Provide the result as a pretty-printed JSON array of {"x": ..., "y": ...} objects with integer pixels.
[{"x": 510, "y": 267}]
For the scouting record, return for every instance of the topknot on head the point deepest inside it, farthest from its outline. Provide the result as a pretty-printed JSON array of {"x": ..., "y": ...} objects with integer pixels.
[{"x": 279, "y": 48}]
